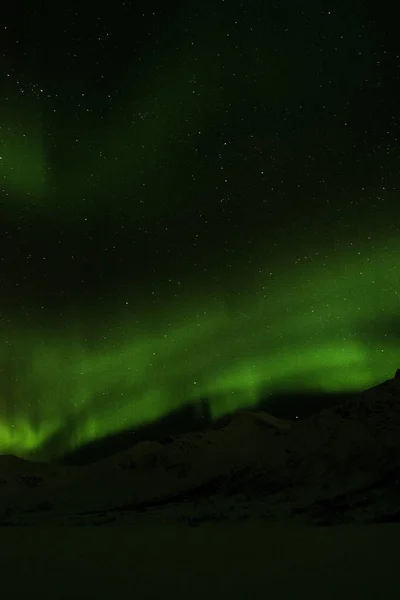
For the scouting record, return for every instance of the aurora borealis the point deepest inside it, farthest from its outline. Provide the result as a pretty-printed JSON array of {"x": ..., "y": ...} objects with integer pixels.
[{"x": 197, "y": 200}]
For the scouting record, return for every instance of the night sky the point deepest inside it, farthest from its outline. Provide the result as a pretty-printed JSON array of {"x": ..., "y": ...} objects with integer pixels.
[{"x": 197, "y": 199}]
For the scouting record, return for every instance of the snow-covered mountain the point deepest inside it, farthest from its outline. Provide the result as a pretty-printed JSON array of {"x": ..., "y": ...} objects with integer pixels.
[{"x": 340, "y": 465}]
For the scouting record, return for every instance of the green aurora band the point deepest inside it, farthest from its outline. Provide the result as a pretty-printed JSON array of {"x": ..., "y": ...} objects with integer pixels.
[{"x": 203, "y": 349}]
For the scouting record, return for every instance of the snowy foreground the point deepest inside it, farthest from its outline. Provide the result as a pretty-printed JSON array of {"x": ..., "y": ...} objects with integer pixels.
[
  {"x": 259, "y": 508},
  {"x": 215, "y": 561}
]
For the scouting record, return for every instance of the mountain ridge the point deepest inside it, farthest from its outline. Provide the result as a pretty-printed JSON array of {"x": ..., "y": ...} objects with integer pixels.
[{"x": 339, "y": 465}]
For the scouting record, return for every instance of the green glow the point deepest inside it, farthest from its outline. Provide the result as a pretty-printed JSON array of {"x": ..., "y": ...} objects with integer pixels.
[
  {"x": 317, "y": 326},
  {"x": 302, "y": 333},
  {"x": 22, "y": 156}
]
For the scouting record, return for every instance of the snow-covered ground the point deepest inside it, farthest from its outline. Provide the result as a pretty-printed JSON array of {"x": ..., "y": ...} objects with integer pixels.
[
  {"x": 258, "y": 509},
  {"x": 238, "y": 561}
]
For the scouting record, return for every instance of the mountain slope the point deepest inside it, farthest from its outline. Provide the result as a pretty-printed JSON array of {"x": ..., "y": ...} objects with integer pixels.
[{"x": 340, "y": 465}]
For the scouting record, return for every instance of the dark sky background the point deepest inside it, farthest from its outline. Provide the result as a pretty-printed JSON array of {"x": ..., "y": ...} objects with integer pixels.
[{"x": 196, "y": 199}]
